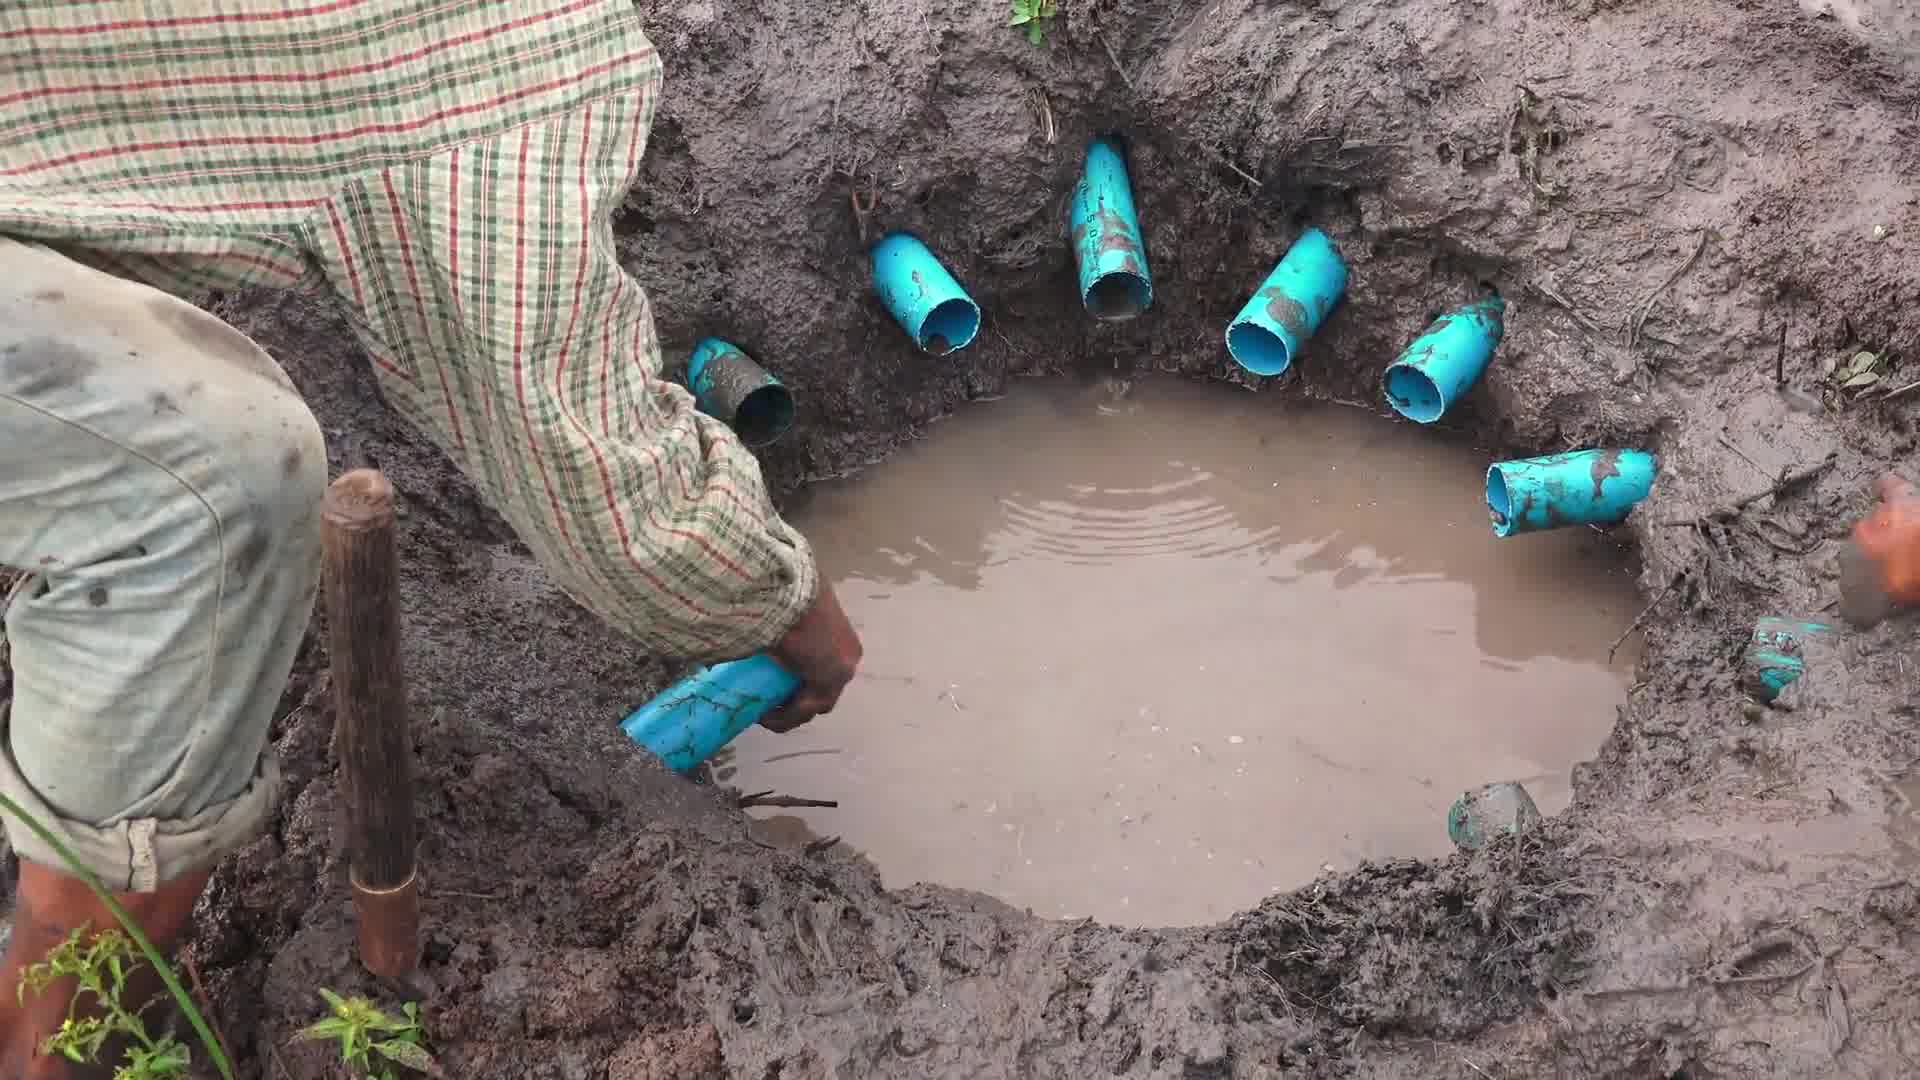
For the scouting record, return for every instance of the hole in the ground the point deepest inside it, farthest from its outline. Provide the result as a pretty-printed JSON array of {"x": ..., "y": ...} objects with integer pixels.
[{"x": 1150, "y": 651}]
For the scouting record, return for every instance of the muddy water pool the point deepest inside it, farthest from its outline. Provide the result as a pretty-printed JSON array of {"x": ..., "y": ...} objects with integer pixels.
[{"x": 1150, "y": 652}]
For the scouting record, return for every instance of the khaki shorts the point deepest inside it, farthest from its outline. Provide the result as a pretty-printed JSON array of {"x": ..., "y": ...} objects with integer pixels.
[{"x": 160, "y": 481}]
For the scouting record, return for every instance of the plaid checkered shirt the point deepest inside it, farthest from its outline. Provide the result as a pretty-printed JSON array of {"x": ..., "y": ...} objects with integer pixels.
[{"x": 449, "y": 168}]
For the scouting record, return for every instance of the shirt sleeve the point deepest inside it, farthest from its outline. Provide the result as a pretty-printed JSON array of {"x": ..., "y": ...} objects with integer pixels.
[{"x": 500, "y": 321}]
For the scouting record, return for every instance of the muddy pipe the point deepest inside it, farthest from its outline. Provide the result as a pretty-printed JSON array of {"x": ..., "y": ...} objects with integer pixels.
[
  {"x": 1107, "y": 245},
  {"x": 1583, "y": 487},
  {"x": 1289, "y": 305},
  {"x": 705, "y": 711},
  {"x": 1775, "y": 656},
  {"x": 1485, "y": 813},
  {"x": 727, "y": 384},
  {"x": 922, "y": 296},
  {"x": 1445, "y": 361}
]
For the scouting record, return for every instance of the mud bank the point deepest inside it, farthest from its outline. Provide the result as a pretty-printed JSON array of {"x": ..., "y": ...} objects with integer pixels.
[{"x": 1672, "y": 196}]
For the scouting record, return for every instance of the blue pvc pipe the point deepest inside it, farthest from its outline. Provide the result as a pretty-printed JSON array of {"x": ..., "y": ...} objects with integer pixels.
[
  {"x": 1479, "y": 816},
  {"x": 705, "y": 711},
  {"x": 1107, "y": 246},
  {"x": 1584, "y": 487},
  {"x": 1289, "y": 306},
  {"x": 726, "y": 383},
  {"x": 1774, "y": 654},
  {"x": 1445, "y": 361},
  {"x": 922, "y": 297}
]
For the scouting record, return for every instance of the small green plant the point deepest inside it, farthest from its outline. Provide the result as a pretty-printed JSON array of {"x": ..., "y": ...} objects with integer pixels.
[
  {"x": 133, "y": 937},
  {"x": 371, "y": 1041},
  {"x": 101, "y": 965},
  {"x": 1036, "y": 16}
]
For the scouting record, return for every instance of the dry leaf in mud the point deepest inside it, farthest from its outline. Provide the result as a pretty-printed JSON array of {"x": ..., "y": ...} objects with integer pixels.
[
  {"x": 1857, "y": 372},
  {"x": 1839, "y": 1021}
]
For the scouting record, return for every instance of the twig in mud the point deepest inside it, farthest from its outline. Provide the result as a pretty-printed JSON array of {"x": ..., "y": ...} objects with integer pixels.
[
  {"x": 1786, "y": 483},
  {"x": 1043, "y": 111},
  {"x": 1513, "y": 124},
  {"x": 1839, "y": 1017},
  {"x": 1783, "y": 976},
  {"x": 206, "y": 1005},
  {"x": 1714, "y": 980},
  {"x": 1780, "y": 357},
  {"x": 1678, "y": 577},
  {"x": 768, "y": 798},
  {"x": 815, "y": 847},
  {"x": 1646, "y": 306},
  {"x": 1011, "y": 345},
  {"x": 863, "y": 212},
  {"x": 273, "y": 1055},
  {"x": 1721, "y": 974},
  {"x": 1547, "y": 288},
  {"x": 1286, "y": 999},
  {"x": 1902, "y": 391},
  {"x": 1475, "y": 1068},
  {"x": 1113, "y": 55},
  {"x": 1635, "y": 991},
  {"x": 1759, "y": 528},
  {"x": 1222, "y": 159},
  {"x": 693, "y": 928},
  {"x": 1741, "y": 454}
]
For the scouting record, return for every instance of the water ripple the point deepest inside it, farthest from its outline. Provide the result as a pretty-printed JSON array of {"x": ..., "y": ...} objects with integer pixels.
[{"x": 1100, "y": 526}]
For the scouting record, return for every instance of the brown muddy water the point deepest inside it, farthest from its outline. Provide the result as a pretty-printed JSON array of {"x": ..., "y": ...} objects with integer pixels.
[{"x": 1149, "y": 655}]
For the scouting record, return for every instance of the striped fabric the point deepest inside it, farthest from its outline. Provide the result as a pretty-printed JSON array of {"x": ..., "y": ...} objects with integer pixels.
[{"x": 449, "y": 168}]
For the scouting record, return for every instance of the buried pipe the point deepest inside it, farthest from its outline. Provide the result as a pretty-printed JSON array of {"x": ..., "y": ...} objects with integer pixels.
[
  {"x": 1775, "y": 658},
  {"x": 1107, "y": 246},
  {"x": 1485, "y": 813},
  {"x": 922, "y": 296},
  {"x": 1445, "y": 361},
  {"x": 727, "y": 383},
  {"x": 1289, "y": 306},
  {"x": 705, "y": 711},
  {"x": 1584, "y": 487}
]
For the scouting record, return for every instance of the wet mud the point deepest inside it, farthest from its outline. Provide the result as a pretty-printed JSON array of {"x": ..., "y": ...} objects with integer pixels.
[
  {"x": 1689, "y": 209},
  {"x": 1153, "y": 651}
]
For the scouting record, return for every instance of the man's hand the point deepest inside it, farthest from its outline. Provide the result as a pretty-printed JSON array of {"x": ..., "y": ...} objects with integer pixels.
[
  {"x": 823, "y": 651},
  {"x": 1890, "y": 536}
]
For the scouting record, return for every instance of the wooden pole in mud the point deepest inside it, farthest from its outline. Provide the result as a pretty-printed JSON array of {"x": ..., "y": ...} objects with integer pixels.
[{"x": 370, "y": 717}]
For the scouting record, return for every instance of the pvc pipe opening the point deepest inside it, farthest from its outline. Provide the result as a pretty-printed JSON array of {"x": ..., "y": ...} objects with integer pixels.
[
  {"x": 1498, "y": 507},
  {"x": 1258, "y": 349},
  {"x": 764, "y": 416},
  {"x": 949, "y": 326},
  {"x": 1119, "y": 295},
  {"x": 1413, "y": 394}
]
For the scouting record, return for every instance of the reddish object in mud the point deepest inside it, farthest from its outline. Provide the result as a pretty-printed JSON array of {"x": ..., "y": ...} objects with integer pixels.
[
  {"x": 370, "y": 717},
  {"x": 1887, "y": 540}
]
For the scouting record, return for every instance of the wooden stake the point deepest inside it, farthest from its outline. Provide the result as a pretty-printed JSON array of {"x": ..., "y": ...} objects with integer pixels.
[{"x": 370, "y": 717}]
